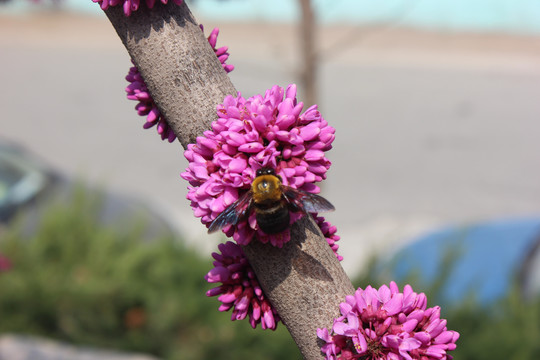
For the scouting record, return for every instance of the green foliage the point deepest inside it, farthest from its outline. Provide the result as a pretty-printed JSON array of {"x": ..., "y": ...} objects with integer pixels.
[
  {"x": 508, "y": 329},
  {"x": 77, "y": 280}
]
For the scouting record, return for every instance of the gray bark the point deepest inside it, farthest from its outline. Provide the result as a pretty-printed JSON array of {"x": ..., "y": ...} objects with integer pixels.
[
  {"x": 304, "y": 281},
  {"x": 178, "y": 65}
]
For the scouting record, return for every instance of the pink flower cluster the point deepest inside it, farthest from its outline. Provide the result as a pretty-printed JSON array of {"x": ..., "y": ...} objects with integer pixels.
[
  {"x": 388, "y": 324},
  {"x": 138, "y": 91},
  {"x": 240, "y": 289},
  {"x": 329, "y": 232},
  {"x": 263, "y": 131},
  {"x": 221, "y": 52},
  {"x": 132, "y": 5},
  {"x": 5, "y": 263}
]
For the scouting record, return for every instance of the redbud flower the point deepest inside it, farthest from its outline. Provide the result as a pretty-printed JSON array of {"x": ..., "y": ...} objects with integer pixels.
[
  {"x": 131, "y": 5},
  {"x": 388, "y": 324},
  {"x": 5, "y": 263},
  {"x": 146, "y": 106},
  {"x": 221, "y": 53},
  {"x": 263, "y": 131},
  {"x": 329, "y": 232},
  {"x": 240, "y": 289},
  {"x": 138, "y": 91}
]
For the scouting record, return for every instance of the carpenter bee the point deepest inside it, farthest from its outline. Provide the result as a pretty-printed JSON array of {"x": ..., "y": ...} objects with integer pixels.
[{"x": 272, "y": 202}]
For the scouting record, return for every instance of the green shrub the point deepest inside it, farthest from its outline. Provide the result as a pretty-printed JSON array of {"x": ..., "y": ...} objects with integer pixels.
[{"x": 77, "y": 280}]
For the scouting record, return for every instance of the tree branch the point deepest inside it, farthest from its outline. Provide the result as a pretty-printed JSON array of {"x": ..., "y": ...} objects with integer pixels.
[
  {"x": 303, "y": 280},
  {"x": 178, "y": 65}
]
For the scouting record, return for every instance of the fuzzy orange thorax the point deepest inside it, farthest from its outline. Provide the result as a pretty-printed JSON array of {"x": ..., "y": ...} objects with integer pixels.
[{"x": 266, "y": 189}]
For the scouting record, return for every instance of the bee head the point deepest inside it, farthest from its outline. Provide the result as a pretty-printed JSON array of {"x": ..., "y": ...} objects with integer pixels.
[
  {"x": 266, "y": 186},
  {"x": 265, "y": 171}
]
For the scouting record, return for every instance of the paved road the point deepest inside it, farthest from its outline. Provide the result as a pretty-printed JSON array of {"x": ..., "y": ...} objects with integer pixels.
[
  {"x": 431, "y": 128},
  {"x": 18, "y": 347}
]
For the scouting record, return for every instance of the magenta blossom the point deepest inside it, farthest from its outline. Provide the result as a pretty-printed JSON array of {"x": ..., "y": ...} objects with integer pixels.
[
  {"x": 138, "y": 91},
  {"x": 132, "y": 5},
  {"x": 329, "y": 232},
  {"x": 387, "y": 324},
  {"x": 240, "y": 289},
  {"x": 5, "y": 263},
  {"x": 146, "y": 106},
  {"x": 263, "y": 131},
  {"x": 221, "y": 52}
]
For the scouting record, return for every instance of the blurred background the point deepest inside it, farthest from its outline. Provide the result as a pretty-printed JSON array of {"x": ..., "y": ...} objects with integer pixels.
[{"x": 435, "y": 175}]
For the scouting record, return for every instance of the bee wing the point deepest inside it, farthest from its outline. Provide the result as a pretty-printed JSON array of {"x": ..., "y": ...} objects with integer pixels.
[
  {"x": 235, "y": 212},
  {"x": 306, "y": 202}
]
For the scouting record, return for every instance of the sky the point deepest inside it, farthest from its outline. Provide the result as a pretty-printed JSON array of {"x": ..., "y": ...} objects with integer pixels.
[{"x": 509, "y": 16}]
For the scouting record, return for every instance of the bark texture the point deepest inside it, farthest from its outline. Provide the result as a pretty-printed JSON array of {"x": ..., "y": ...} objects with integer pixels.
[
  {"x": 303, "y": 280},
  {"x": 178, "y": 65}
]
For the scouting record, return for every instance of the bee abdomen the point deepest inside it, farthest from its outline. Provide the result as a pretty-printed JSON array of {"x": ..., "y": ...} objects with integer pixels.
[{"x": 274, "y": 219}]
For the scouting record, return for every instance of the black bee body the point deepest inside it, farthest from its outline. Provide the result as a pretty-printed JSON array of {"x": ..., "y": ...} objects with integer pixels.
[
  {"x": 272, "y": 218},
  {"x": 272, "y": 203}
]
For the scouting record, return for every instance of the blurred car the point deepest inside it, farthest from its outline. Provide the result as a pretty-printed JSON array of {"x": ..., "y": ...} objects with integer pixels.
[
  {"x": 484, "y": 261},
  {"x": 22, "y": 180},
  {"x": 28, "y": 186}
]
